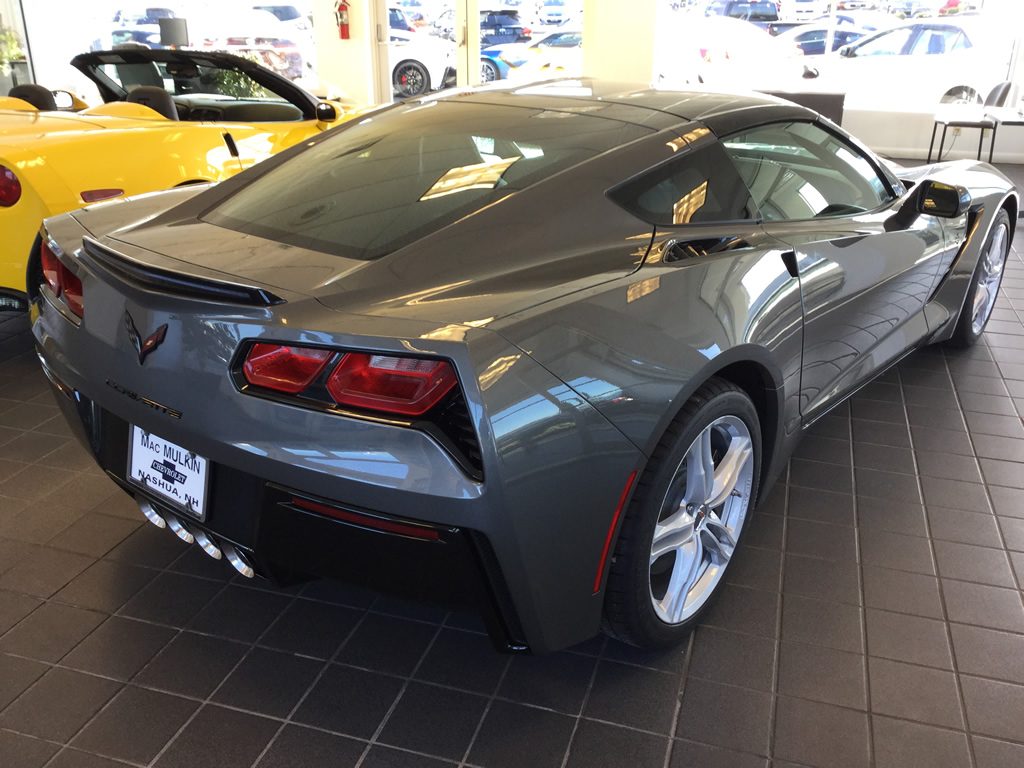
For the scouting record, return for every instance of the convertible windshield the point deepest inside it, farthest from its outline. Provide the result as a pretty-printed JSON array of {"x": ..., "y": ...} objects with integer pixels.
[
  {"x": 182, "y": 78},
  {"x": 391, "y": 179}
]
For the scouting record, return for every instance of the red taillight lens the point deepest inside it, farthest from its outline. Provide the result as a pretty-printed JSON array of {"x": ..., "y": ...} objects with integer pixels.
[
  {"x": 10, "y": 187},
  {"x": 63, "y": 282},
  {"x": 71, "y": 287},
  {"x": 51, "y": 268},
  {"x": 284, "y": 369},
  {"x": 404, "y": 385}
]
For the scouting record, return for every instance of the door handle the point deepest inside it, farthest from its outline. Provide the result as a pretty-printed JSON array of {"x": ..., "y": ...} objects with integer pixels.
[{"x": 789, "y": 259}]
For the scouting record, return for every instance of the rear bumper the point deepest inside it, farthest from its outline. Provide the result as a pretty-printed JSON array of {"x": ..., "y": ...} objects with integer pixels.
[{"x": 452, "y": 565}]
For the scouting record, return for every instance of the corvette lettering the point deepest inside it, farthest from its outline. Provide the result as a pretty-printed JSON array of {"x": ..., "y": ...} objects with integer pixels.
[{"x": 144, "y": 400}]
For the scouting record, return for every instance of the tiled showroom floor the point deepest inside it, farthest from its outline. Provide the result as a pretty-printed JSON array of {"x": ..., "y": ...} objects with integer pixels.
[{"x": 874, "y": 616}]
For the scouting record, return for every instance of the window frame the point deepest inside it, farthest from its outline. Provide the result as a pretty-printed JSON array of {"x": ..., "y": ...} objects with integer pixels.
[{"x": 895, "y": 192}]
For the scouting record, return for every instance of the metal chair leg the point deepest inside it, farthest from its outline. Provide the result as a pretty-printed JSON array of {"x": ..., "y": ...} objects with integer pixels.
[
  {"x": 992, "y": 145},
  {"x": 981, "y": 142},
  {"x": 942, "y": 143},
  {"x": 931, "y": 144}
]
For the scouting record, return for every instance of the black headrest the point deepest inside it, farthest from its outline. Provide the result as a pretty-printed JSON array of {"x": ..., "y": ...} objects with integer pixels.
[
  {"x": 36, "y": 95},
  {"x": 155, "y": 98}
]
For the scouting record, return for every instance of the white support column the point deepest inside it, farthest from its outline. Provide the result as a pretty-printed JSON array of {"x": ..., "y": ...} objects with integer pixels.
[
  {"x": 619, "y": 39},
  {"x": 353, "y": 66}
]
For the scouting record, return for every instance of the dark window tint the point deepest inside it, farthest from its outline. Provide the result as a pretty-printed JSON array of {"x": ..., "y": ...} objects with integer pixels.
[
  {"x": 801, "y": 171},
  {"x": 390, "y": 179},
  {"x": 699, "y": 187}
]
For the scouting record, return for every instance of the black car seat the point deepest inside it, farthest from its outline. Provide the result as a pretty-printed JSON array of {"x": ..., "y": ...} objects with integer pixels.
[
  {"x": 39, "y": 97},
  {"x": 155, "y": 98}
]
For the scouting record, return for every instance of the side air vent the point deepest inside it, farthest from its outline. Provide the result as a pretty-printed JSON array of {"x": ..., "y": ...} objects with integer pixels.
[
  {"x": 453, "y": 420},
  {"x": 165, "y": 281}
]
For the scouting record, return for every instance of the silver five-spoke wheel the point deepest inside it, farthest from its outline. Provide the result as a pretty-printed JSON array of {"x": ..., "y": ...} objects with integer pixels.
[
  {"x": 992, "y": 263},
  {"x": 701, "y": 519}
]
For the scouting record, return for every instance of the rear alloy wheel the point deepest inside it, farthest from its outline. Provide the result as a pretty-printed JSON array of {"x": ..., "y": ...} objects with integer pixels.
[
  {"x": 410, "y": 79},
  {"x": 489, "y": 71},
  {"x": 686, "y": 518},
  {"x": 984, "y": 287}
]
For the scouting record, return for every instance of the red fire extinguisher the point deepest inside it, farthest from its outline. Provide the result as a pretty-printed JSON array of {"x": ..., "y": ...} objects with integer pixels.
[{"x": 341, "y": 13}]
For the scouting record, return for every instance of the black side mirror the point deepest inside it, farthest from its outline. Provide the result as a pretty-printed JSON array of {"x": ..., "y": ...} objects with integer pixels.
[
  {"x": 326, "y": 113},
  {"x": 945, "y": 200},
  {"x": 847, "y": 52}
]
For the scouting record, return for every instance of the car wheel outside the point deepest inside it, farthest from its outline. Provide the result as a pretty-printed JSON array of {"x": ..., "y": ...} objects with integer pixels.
[
  {"x": 489, "y": 71},
  {"x": 961, "y": 95},
  {"x": 984, "y": 288},
  {"x": 685, "y": 519},
  {"x": 411, "y": 79}
]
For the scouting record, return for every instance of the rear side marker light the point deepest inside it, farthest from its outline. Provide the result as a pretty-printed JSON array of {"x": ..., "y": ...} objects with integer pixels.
[
  {"x": 10, "y": 187},
  {"x": 96, "y": 195},
  {"x": 403, "y": 385},
  {"x": 611, "y": 532},
  {"x": 282, "y": 368},
  {"x": 367, "y": 521}
]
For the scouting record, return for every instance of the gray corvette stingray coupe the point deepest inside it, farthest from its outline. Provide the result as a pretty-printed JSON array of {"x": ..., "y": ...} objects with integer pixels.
[{"x": 539, "y": 349}]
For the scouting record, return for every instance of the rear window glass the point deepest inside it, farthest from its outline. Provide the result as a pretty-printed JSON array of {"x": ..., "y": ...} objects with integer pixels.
[
  {"x": 373, "y": 187},
  {"x": 700, "y": 187}
]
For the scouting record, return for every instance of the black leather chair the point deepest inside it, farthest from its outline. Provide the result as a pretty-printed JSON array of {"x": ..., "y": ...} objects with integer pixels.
[
  {"x": 39, "y": 97},
  {"x": 155, "y": 98}
]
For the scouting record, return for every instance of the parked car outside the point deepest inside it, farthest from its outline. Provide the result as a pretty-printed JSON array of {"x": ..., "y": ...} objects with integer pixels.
[
  {"x": 540, "y": 352},
  {"x": 747, "y": 10},
  {"x": 420, "y": 63},
  {"x": 812, "y": 38},
  {"x": 929, "y": 62},
  {"x": 560, "y": 49},
  {"x": 803, "y": 10}
]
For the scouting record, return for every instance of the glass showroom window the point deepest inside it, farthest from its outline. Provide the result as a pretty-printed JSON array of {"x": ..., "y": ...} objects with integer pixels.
[{"x": 14, "y": 59}]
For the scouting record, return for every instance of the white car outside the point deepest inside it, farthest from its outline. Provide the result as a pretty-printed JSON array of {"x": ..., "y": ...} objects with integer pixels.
[{"x": 418, "y": 62}]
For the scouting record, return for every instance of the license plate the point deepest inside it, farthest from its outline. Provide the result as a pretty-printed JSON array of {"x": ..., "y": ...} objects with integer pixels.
[{"x": 175, "y": 474}]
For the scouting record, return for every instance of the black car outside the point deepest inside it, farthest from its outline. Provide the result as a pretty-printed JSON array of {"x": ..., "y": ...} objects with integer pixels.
[
  {"x": 748, "y": 10},
  {"x": 501, "y": 27}
]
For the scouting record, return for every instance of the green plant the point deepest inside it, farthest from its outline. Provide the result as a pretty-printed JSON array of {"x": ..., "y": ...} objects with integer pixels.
[{"x": 10, "y": 48}]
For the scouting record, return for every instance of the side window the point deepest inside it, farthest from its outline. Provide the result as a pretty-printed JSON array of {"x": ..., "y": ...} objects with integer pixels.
[
  {"x": 701, "y": 186},
  {"x": 801, "y": 171},
  {"x": 887, "y": 44},
  {"x": 935, "y": 41}
]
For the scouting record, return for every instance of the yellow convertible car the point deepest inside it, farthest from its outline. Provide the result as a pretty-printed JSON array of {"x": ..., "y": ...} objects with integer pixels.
[{"x": 169, "y": 118}]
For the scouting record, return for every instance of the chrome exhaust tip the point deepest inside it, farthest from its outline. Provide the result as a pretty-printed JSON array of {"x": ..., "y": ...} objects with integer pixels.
[
  {"x": 180, "y": 530},
  {"x": 151, "y": 514},
  {"x": 208, "y": 546},
  {"x": 238, "y": 561}
]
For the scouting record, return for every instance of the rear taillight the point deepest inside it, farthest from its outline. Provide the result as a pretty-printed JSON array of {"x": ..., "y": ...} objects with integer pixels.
[
  {"x": 10, "y": 187},
  {"x": 72, "y": 287},
  {"x": 64, "y": 283},
  {"x": 405, "y": 385},
  {"x": 284, "y": 369},
  {"x": 51, "y": 267}
]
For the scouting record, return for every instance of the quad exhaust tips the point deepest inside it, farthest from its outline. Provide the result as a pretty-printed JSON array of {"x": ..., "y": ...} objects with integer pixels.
[
  {"x": 214, "y": 549},
  {"x": 151, "y": 514}
]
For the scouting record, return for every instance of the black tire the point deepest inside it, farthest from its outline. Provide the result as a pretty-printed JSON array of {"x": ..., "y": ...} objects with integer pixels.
[
  {"x": 628, "y": 611},
  {"x": 965, "y": 334},
  {"x": 489, "y": 71},
  {"x": 410, "y": 79}
]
